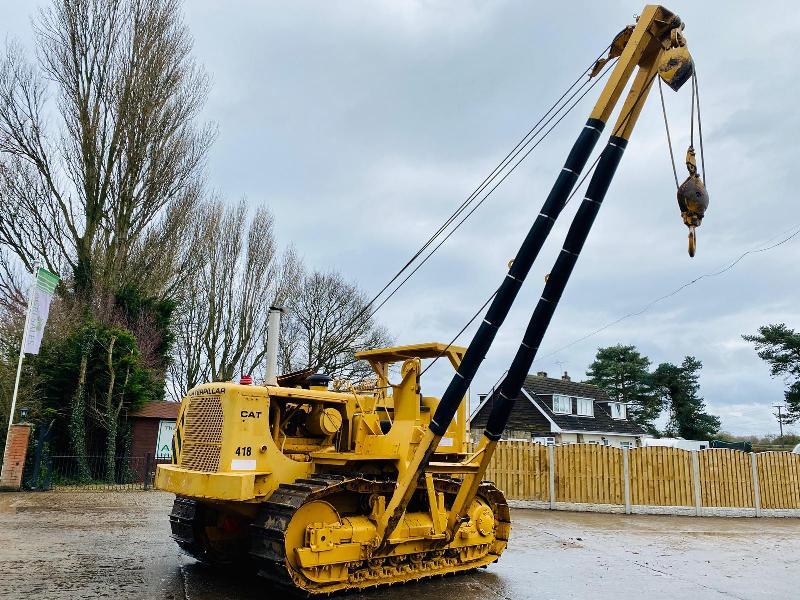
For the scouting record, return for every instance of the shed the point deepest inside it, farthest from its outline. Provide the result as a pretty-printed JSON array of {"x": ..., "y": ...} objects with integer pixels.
[{"x": 152, "y": 427}]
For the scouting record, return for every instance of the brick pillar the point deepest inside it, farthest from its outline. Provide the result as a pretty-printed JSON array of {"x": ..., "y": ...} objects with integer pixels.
[{"x": 14, "y": 457}]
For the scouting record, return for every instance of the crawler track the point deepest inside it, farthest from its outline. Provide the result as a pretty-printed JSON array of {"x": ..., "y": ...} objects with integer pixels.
[
  {"x": 268, "y": 546},
  {"x": 267, "y": 551}
]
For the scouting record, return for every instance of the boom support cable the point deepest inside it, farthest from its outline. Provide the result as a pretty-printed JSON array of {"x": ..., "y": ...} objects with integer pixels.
[
  {"x": 486, "y": 196},
  {"x": 562, "y": 103},
  {"x": 515, "y": 151},
  {"x": 607, "y": 70},
  {"x": 577, "y": 188}
]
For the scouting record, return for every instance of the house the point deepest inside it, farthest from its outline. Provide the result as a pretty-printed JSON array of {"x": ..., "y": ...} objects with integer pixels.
[
  {"x": 151, "y": 429},
  {"x": 562, "y": 411}
]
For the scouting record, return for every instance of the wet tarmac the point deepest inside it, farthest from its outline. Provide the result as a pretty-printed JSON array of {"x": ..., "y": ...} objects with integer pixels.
[{"x": 63, "y": 545}]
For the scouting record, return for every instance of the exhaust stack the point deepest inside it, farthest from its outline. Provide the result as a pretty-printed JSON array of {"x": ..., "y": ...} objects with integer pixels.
[{"x": 273, "y": 334}]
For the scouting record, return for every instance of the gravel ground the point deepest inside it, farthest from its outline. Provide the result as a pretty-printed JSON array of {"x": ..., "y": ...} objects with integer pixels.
[{"x": 96, "y": 545}]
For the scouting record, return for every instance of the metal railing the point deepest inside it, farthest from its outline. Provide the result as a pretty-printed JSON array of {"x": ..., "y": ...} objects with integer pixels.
[{"x": 96, "y": 473}]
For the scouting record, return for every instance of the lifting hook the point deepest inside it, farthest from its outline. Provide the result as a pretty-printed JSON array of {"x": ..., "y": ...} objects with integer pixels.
[{"x": 692, "y": 199}]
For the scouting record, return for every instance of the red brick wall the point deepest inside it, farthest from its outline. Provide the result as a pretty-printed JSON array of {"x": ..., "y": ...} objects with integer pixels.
[
  {"x": 143, "y": 438},
  {"x": 14, "y": 457}
]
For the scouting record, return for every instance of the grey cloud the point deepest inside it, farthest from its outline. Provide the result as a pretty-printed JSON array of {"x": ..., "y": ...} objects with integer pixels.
[{"x": 363, "y": 124}]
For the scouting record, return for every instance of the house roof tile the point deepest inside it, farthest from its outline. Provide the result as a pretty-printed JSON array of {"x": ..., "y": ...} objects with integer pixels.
[
  {"x": 538, "y": 387},
  {"x": 157, "y": 410},
  {"x": 545, "y": 386}
]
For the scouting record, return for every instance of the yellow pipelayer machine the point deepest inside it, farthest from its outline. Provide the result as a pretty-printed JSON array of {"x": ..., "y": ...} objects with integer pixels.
[{"x": 323, "y": 491}]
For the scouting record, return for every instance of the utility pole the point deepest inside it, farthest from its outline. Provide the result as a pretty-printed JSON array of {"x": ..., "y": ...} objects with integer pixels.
[{"x": 780, "y": 407}]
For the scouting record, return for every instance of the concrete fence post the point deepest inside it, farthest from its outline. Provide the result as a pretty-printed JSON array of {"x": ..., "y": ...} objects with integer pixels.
[
  {"x": 698, "y": 496},
  {"x": 551, "y": 457},
  {"x": 626, "y": 480},
  {"x": 756, "y": 486}
]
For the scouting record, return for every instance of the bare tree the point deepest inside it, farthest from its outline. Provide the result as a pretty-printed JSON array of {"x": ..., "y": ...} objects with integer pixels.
[
  {"x": 88, "y": 193},
  {"x": 327, "y": 323},
  {"x": 101, "y": 164},
  {"x": 236, "y": 274}
]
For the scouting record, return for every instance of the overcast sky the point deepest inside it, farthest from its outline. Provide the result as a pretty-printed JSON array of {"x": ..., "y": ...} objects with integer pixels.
[{"x": 362, "y": 125}]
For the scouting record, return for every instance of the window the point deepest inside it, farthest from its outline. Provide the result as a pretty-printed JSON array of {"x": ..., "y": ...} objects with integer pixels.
[
  {"x": 585, "y": 407},
  {"x": 617, "y": 410},
  {"x": 627, "y": 445},
  {"x": 562, "y": 405}
]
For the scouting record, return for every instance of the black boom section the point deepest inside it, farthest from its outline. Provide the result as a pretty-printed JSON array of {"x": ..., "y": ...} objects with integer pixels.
[
  {"x": 556, "y": 282},
  {"x": 507, "y": 292}
]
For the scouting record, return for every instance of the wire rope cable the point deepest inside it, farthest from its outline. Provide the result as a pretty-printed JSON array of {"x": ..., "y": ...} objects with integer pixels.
[
  {"x": 669, "y": 138},
  {"x": 696, "y": 88},
  {"x": 479, "y": 203},
  {"x": 558, "y": 106},
  {"x": 621, "y": 126},
  {"x": 622, "y": 123}
]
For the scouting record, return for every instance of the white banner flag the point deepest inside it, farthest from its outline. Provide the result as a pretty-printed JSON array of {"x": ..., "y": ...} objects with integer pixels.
[{"x": 38, "y": 309}]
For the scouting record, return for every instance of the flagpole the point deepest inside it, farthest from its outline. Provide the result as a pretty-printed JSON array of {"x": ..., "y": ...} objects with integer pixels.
[{"x": 22, "y": 350}]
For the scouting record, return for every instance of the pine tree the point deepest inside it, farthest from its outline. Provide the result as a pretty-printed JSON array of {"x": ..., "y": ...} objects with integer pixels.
[
  {"x": 679, "y": 387},
  {"x": 779, "y": 346},
  {"x": 624, "y": 374}
]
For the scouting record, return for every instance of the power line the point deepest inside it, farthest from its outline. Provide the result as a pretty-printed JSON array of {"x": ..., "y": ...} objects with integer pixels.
[
  {"x": 677, "y": 290},
  {"x": 795, "y": 232}
]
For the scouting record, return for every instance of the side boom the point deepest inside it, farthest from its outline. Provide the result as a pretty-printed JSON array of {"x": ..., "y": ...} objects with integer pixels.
[{"x": 649, "y": 38}]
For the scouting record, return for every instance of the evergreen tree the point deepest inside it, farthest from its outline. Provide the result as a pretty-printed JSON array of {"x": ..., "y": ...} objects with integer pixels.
[
  {"x": 780, "y": 347},
  {"x": 679, "y": 387},
  {"x": 624, "y": 374}
]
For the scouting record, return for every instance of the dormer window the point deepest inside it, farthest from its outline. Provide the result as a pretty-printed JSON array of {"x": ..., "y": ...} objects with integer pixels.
[
  {"x": 617, "y": 410},
  {"x": 562, "y": 405},
  {"x": 573, "y": 405},
  {"x": 585, "y": 407}
]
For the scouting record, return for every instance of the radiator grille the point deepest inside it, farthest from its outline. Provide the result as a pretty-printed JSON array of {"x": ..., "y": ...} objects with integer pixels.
[
  {"x": 198, "y": 457},
  {"x": 202, "y": 435}
]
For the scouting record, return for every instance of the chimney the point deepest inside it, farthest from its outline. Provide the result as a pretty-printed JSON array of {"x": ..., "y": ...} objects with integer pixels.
[
  {"x": 565, "y": 376},
  {"x": 541, "y": 374},
  {"x": 273, "y": 332}
]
